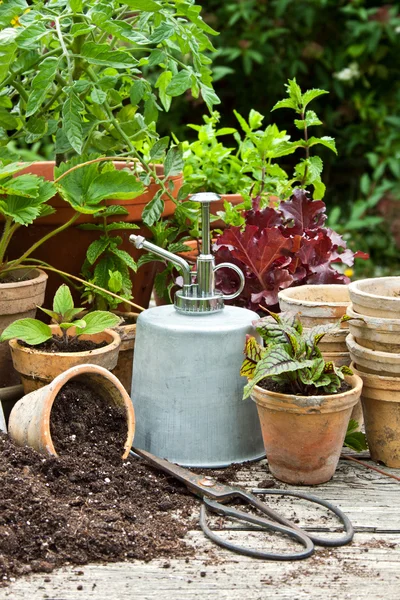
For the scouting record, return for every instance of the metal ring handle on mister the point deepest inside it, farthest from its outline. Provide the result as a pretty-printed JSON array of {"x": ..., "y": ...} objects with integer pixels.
[{"x": 237, "y": 270}]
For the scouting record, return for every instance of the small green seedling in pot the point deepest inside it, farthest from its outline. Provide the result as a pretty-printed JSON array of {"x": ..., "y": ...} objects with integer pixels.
[{"x": 34, "y": 332}]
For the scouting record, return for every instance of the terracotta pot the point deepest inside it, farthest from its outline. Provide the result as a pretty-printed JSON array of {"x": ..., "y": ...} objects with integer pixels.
[
  {"x": 315, "y": 304},
  {"x": 381, "y": 406},
  {"x": 38, "y": 368},
  {"x": 193, "y": 253},
  {"x": 376, "y": 297},
  {"x": 67, "y": 250},
  {"x": 373, "y": 361},
  {"x": 18, "y": 300},
  {"x": 339, "y": 358},
  {"x": 334, "y": 341},
  {"x": 29, "y": 423},
  {"x": 303, "y": 436},
  {"x": 127, "y": 333},
  {"x": 9, "y": 396},
  {"x": 374, "y": 332}
]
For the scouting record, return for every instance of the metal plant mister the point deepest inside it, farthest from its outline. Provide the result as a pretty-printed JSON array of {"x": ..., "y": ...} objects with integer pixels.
[{"x": 186, "y": 387}]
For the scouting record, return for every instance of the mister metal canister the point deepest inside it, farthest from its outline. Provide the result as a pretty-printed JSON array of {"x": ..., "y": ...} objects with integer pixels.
[{"x": 186, "y": 384}]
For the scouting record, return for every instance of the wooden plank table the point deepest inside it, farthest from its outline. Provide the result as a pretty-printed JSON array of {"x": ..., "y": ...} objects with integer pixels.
[{"x": 369, "y": 568}]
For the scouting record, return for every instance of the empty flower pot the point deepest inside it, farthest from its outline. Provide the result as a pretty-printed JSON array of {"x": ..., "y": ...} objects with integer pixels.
[
  {"x": 380, "y": 398},
  {"x": 375, "y": 333},
  {"x": 29, "y": 423},
  {"x": 373, "y": 361},
  {"x": 303, "y": 435},
  {"x": 376, "y": 297},
  {"x": 315, "y": 304}
]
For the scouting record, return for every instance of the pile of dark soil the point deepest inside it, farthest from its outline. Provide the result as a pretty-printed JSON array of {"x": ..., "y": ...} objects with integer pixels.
[
  {"x": 85, "y": 508},
  {"x": 274, "y": 386},
  {"x": 56, "y": 344},
  {"x": 84, "y": 422}
]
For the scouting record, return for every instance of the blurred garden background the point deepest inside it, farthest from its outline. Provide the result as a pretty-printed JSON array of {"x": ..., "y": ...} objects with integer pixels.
[{"x": 350, "y": 48}]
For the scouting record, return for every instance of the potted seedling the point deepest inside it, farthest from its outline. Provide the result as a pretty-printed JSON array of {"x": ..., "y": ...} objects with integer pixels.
[
  {"x": 92, "y": 77},
  {"x": 40, "y": 352},
  {"x": 304, "y": 403}
]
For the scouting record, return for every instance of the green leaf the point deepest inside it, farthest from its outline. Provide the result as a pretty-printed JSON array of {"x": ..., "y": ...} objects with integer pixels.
[
  {"x": 209, "y": 96},
  {"x": 97, "y": 248},
  {"x": 153, "y": 210},
  {"x": 72, "y": 125},
  {"x": 356, "y": 440},
  {"x": 137, "y": 91},
  {"x": 97, "y": 321},
  {"x": 30, "y": 331},
  {"x": 41, "y": 84},
  {"x": 115, "y": 185},
  {"x": 7, "y": 52},
  {"x": 162, "y": 84},
  {"x": 286, "y": 103},
  {"x": 98, "y": 96},
  {"x": 30, "y": 35},
  {"x": 311, "y": 94},
  {"x": 72, "y": 313},
  {"x": 55, "y": 316},
  {"x": 162, "y": 32},
  {"x": 179, "y": 83},
  {"x": 76, "y": 5},
  {"x": 62, "y": 301},
  {"x": 173, "y": 164},
  {"x": 144, "y": 5},
  {"x": 100, "y": 54},
  {"x": 327, "y": 141},
  {"x": 158, "y": 149},
  {"x": 115, "y": 281},
  {"x": 125, "y": 257},
  {"x": 118, "y": 226},
  {"x": 310, "y": 120}
]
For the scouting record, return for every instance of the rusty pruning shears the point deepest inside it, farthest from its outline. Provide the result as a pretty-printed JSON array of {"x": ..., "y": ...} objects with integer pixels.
[{"x": 215, "y": 496}]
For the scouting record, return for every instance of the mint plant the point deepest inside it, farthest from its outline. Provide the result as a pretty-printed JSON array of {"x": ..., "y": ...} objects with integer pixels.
[
  {"x": 291, "y": 357},
  {"x": 65, "y": 315}
]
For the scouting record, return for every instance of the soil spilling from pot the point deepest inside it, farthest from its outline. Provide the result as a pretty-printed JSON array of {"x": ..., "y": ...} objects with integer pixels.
[
  {"x": 85, "y": 422},
  {"x": 85, "y": 508},
  {"x": 279, "y": 388},
  {"x": 56, "y": 344}
]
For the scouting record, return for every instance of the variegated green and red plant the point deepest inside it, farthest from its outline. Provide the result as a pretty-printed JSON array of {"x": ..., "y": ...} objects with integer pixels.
[{"x": 291, "y": 357}]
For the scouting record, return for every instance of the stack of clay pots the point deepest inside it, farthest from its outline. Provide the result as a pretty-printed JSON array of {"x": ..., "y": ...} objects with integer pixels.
[
  {"x": 374, "y": 345},
  {"x": 320, "y": 305}
]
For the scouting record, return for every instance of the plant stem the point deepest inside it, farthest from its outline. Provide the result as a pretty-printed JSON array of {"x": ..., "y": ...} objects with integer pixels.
[
  {"x": 18, "y": 261},
  {"x": 5, "y": 238},
  {"x": 86, "y": 283},
  {"x": 20, "y": 89},
  {"x": 64, "y": 49}
]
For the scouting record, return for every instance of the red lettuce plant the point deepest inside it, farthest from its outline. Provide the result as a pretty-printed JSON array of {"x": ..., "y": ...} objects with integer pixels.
[{"x": 281, "y": 247}]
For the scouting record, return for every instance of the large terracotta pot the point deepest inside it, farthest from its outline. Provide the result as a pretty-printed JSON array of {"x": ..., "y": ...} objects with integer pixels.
[
  {"x": 38, "y": 368},
  {"x": 67, "y": 250},
  {"x": 376, "y": 297},
  {"x": 29, "y": 423},
  {"x": 380, "y": 398},
  {"x": 18, "y": 300},
  {"x": 303, "y": 435}
]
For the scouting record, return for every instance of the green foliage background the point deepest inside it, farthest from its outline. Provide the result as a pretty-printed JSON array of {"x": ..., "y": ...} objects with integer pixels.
[{"x": 352, "y": 49}]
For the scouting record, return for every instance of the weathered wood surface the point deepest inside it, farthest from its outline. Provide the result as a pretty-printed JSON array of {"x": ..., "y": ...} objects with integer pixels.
[{"x": 368, "y": 568}]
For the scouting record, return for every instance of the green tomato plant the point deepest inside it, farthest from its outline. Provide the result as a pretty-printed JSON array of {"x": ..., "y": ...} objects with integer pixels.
[
  {"x": 65, "y": 315},
  {"x": 92, "y": 77}
]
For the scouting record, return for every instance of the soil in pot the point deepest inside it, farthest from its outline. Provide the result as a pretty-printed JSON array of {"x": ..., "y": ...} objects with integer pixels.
[
  {"x": 274, "y": 386},
  {"x": 82, "y": 421},
  {"x": 55, "y": 344}
]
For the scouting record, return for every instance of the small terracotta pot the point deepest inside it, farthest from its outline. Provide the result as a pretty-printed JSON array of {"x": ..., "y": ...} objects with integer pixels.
[
  {"x": 381, "y": 407},
  {"x": 334, "y": 341},
  {"x": 339, "y": 358},
  {"x": 38, "y": 368},
  {"x": 374, "y": 332},
  {"x": 315, "y": 304},
  {"x": 303, "y": 435},
  {"x": 376, "y": 297},
  {"x": 18, "y": 300},
  {"x": 127, "y": 333},
  {"x": 373, "y": 361},
  {"x": 29, "y": 423}
]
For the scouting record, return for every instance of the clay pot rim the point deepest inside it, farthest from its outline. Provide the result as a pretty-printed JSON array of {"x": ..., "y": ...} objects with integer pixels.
[
  {"x": 370, "y": 378},
  {"x": 112, "y": 345},
  {"x": 377, "y": 355},
  {"x": 287, "y": 295},
  {"x": 41, "y": 277},
  {"x": 159, "y": 167},
  {"x": 58, "y": 382},
  {"x": 357, "y": 289},
  {"x": 374, "y": 323},
  {"x": 302, "y": 404}
]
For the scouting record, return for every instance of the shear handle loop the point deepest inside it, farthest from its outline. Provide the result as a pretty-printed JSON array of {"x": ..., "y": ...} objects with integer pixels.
[
  {"x": 326, "y": 542},
  {"x": 241, "y": 277},
  {"x": 257, "y": 520}
]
